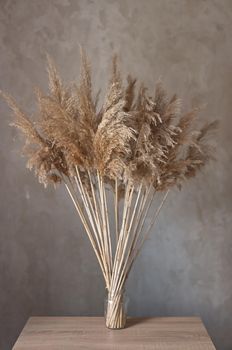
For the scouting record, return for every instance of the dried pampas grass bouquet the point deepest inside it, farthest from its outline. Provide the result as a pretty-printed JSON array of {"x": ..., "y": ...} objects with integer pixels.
[{"x": 119, "y": 155}]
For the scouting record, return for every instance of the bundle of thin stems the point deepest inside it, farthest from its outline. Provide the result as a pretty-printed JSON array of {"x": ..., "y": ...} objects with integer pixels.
[
  {"x": 129, "y": 231},
  {"x": 134, "y": 145}
]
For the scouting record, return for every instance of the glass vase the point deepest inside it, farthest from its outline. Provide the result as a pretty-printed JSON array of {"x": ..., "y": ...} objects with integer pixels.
[{"x": 116, "y": 310}]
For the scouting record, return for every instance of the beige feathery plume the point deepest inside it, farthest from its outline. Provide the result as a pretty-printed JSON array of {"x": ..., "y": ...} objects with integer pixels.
[
  {"x": 46, "y": 160},
  {"x": 113, "y": 135}
]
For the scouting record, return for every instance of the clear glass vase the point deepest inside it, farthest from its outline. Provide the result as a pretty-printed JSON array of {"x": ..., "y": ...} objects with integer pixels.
[{"x": 115, "y": 310}]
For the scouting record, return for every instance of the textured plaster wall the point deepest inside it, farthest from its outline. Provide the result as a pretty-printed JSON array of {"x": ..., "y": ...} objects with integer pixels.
[{"x": 46, "y": 264}]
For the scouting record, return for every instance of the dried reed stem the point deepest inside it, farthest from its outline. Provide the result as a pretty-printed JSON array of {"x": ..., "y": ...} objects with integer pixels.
[
  {"x": 116, "y": 209},
  {"x": 88, "y": 231},
  {"x": 145, "y": 236}
]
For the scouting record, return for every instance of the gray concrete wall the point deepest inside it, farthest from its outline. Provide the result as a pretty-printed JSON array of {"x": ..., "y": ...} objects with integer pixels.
[{"x": 46, "y": 264}]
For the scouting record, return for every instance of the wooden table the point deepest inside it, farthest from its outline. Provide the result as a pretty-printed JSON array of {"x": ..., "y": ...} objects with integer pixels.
[{"x": 69, "y": 333}]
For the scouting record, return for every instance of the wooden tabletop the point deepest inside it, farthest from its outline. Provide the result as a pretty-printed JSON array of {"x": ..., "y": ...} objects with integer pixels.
[{"x": 69, "y": 333}]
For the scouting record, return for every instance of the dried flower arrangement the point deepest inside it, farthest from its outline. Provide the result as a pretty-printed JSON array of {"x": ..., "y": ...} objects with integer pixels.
[{"x": 136, "y": 145}]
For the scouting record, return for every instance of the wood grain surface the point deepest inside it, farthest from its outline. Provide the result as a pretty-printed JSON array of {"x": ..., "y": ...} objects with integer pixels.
[{"x": 69, "y": 333}]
